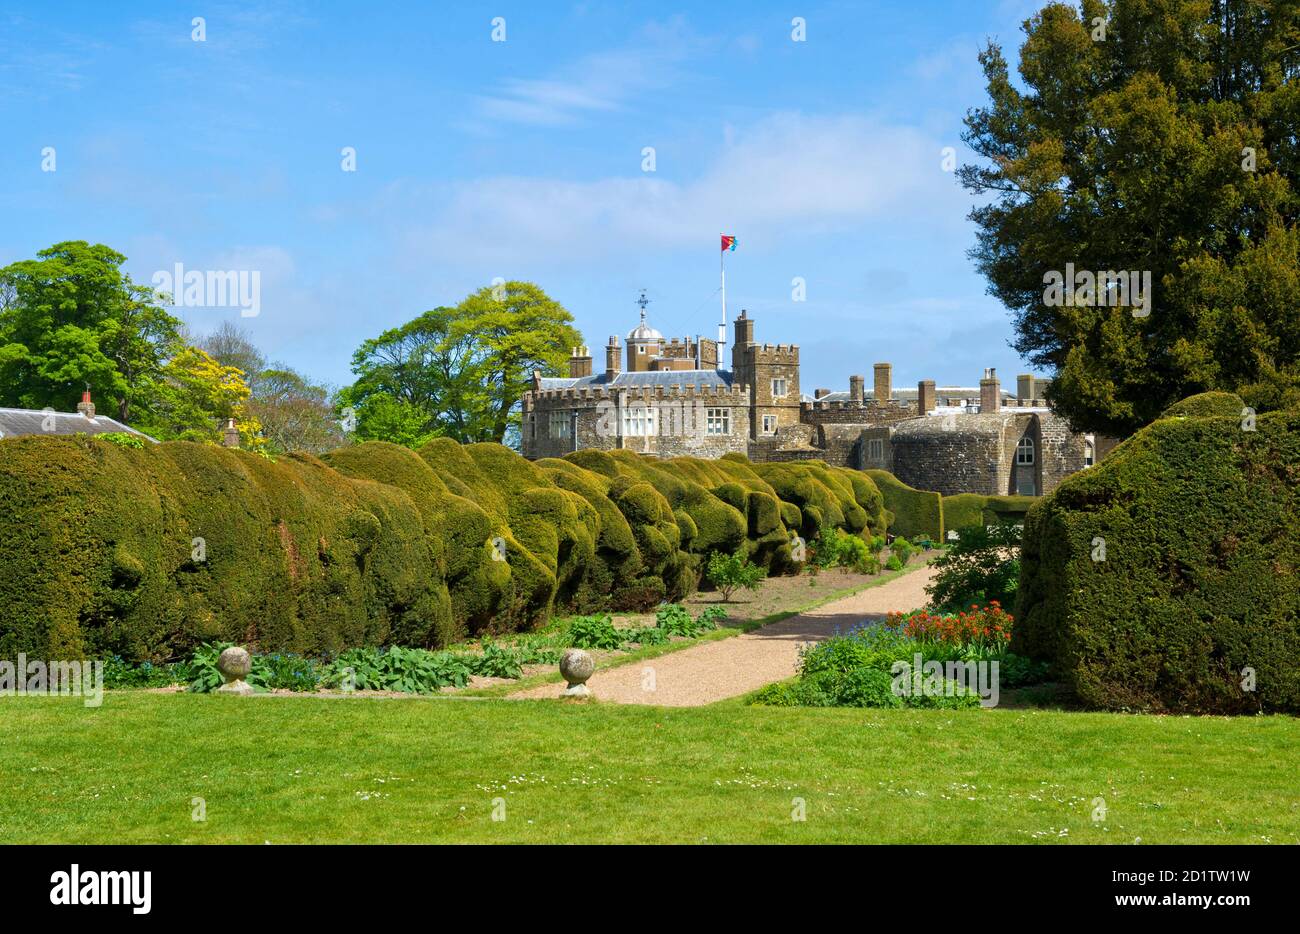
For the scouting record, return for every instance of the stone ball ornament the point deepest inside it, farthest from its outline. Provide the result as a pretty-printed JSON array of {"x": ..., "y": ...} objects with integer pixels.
[
  {"x": 234, "y": 665},
  {"x": 577, "y": 666}
]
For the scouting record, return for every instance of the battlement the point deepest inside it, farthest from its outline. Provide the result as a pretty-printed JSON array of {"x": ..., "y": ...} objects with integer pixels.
[
  {"x": 773, "y": 350},
  {"x": 731, "y": 395}
]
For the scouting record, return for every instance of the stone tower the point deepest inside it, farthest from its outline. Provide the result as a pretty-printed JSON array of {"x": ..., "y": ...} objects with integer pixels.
[{"x": 772, "y": 374}]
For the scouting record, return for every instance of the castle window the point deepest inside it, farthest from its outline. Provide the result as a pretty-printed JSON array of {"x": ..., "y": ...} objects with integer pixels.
[
  {"x": 1025, "y": 451},
  {"x": 778, "y": 388},
  {"x": 560, "y": 423},
  {"x": 1089, "y": 453},
  {"x": 639, "y": 421},
  {"x": 532, "y": 427},
  {"x": 769, "y": 424},
  {"x": 717, "y": 422},
  {"x": 876, "y": 449}
]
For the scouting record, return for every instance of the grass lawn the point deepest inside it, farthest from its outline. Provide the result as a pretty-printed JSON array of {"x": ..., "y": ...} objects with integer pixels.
[{"x": 311, "y": 769}]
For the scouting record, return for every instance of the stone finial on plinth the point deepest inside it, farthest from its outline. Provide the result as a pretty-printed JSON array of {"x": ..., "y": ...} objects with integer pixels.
[
  {"x": 234, "y": 664},
  {"x": 577, "y": 666}
]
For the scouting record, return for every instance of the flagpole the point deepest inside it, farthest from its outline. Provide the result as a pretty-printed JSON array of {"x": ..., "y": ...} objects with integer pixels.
[{"x": 722, "y": 327}]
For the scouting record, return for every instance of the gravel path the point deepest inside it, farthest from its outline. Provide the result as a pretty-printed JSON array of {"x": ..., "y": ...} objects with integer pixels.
[{"x": 714, "y": 671}]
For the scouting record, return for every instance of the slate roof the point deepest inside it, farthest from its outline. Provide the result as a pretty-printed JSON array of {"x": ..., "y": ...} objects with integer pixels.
[
  {"x": 664, "y": 378},
  {"x": 15, "y": 422}
]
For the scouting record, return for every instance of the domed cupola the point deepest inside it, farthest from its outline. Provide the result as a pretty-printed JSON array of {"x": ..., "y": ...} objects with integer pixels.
[{"x": 644, "y": 343}]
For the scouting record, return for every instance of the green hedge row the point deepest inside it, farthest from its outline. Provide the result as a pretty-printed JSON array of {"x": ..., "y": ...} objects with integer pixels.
[
  {"x": 966, "y": 509},
  {"x": 915, "y": 513},
  {"x": 1168, "y": 576},
  {"x": 145, "y": 553}
]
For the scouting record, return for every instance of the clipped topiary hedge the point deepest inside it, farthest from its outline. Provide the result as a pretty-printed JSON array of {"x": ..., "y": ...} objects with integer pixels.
[
  {"x": 961, "y": 510},
  {"x": 372, "y": 544},
  {"x": 916, "y": 513},
  {"x": 1168, "y": 576},
  {"x": 1205, "y": 405}
]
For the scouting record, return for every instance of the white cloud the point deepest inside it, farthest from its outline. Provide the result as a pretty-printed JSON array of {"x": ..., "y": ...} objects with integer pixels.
[
  {"x": 816, "y": 174},
  {"x": 601, "y": 82}
]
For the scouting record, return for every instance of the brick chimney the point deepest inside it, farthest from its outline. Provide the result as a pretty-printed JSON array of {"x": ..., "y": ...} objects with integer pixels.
[
  {"x": 85, "y": 406},
  {"x": 925, "y": 397},
  {"x": 230, "y": 436},
  {"x": 818, "y": 393},
  {"x": 884, "y": 383},
  {"x": 1026, "y": 388},
  {"x": 612, "y": 357},
  {"x": 855, "y": 388},
  {"x": 990, "y": 391},
  {"x": 744, "y": 330},
  {"x": 580, "y": 362}
]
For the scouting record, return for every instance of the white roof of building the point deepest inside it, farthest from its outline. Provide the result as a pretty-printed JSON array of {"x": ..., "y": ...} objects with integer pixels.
[{"x": 18, "y": 422}]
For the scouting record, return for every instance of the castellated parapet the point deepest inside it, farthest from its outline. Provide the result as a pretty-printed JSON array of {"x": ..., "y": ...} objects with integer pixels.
[{"x": 673, "y": 400}]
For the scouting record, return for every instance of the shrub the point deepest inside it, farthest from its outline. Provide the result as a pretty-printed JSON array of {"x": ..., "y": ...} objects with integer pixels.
[
  {"x": 902, "y": 549},
  {"x": 123, "y": 439},
  {"x": 916, "y": 513},
  {"x": 1155, "y": 579},
  {"x": 413, "y": 671},
  {"x": 648, "y": 635},
  {"x": 834, "y": 548},
  {"x": 711, "y": 617},
  {"x": 1206, "y": 404},
  {"x": 962, "y": 510},
  {"x": 286, "y": 671},
  {"x": 729, "y": 573},
  {"x": 148, "y": 551},
  {"x": 122, "y": 674},
  {"x": 893, "y": 563},
  {"x": 594, "y": 632},
  {"x": 495, "y": 661},
  {"x": 981, "y": 566},
  {"x": 675, "y": 621}
]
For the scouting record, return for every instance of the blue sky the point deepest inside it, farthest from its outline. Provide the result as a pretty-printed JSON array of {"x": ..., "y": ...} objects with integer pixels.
[{"x": 522, "y": 159}]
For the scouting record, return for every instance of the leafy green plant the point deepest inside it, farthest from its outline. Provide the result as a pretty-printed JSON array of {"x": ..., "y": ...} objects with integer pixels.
[
  {"x": 729, "y": 573},
  {"x": 902, "y": 549},
  {"x": 594, "y": 632},
  {"x": 495, "y": 661},
  {"x": 675, "y": 621},
  {"x": 711, "y": 617},
  {"x": 836, "y": 548},
  {"x": 415, "y": 671},
  {"x": 285, "y": 670},
  {"x": 648, "y": 635},
  {"x": 893, "y": 563},
  {"x": 981, "y": 566},
  {"x": 123, "y": 674},
  {"x": 123, "y": 439}
]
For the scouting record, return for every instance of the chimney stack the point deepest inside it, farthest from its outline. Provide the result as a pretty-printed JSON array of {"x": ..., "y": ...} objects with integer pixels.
[
  {"x": 85, "y": 406},
  {"x": 611, "y": 357},
  {"x": 925, "y": 397},
  {"x": 990, "y": 391},
  {"x": 884, "y": 383},
  {"x": 744, "y": 330},
  {"x": 580, "y": 362},
  {"x": 230, "y": 437},
  {"x": 818, "y": 393},
  {"x": 855, "y": 388},
  {"x": 1026, "y": 390}
]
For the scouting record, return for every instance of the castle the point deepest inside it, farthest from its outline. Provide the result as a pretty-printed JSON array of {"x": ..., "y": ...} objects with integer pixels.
[{"x": 672, "y": 398}]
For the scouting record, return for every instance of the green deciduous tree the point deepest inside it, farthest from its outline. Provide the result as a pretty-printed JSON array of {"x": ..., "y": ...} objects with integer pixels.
[
  {"x": 72, "y": 318},
  {"x": 459, "y": 372},
  {"x": 1147, "y": 135}
]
